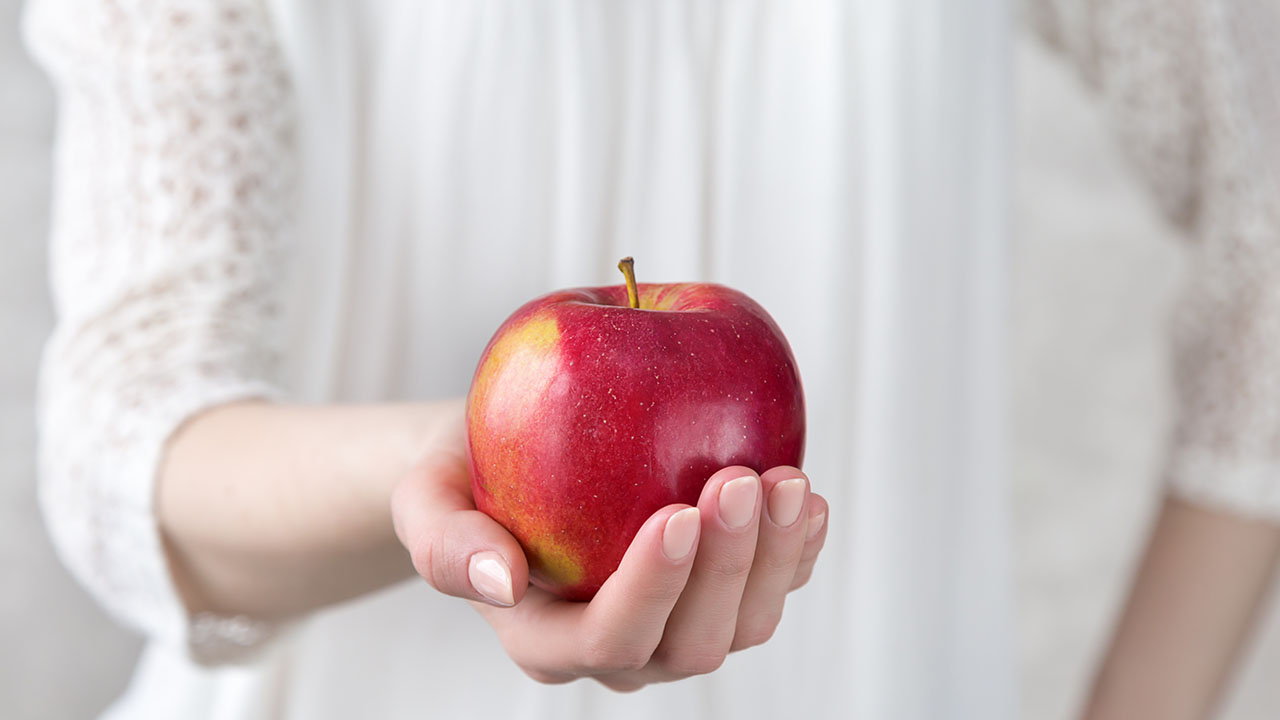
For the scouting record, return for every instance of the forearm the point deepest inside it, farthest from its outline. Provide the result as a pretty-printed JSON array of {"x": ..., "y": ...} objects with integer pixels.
[
  {"x": 272, "y": 510},
  {"x": 1192, "y": 603}
]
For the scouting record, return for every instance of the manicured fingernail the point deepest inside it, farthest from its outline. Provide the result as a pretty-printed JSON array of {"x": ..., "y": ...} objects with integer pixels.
[
  {"x": 491, "y": 577},
  {"x": 738, "y": 500},
  {"x": 786, "y": 500},
  {"x": 680, "y": 532},
  {"x": 815, "y": 525}
]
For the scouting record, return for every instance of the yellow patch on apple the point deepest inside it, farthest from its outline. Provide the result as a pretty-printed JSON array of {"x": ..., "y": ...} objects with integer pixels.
[
  {"x": 529, "y": 352},
  {"x": 556, "y": 562}
]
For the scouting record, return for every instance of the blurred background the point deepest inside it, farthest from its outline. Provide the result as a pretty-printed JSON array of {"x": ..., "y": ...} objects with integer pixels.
[{"x": 1094, "y": 273}]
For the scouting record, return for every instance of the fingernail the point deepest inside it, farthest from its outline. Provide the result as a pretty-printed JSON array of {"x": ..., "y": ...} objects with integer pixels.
[
  {"x": 738, "y": 501},
  {"x": 491, "y": 577},
  {"x": 786, "y": 500},
  {"x": 680, "y": 532},
  {"x": 815, "y": 525}
]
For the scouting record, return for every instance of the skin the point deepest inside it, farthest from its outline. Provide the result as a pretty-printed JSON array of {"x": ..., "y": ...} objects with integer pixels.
[
  {"x": 1194, "y": 599},
  {"x": 275, "y": 510},
  {"x": 586, "y": 416}
]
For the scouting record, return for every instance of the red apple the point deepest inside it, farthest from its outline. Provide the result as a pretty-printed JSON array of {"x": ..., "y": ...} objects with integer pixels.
[{"x": 593, "y": 408}]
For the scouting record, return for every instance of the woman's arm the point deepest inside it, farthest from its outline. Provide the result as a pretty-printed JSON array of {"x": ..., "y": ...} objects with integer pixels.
[
  {"x": 272, "y": 510},
  {"x": 1193, "y": 602},
  {"x": 1191, "y": 89}
]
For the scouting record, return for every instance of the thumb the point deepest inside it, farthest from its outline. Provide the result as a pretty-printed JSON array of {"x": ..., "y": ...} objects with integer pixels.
[{"x": 459, "y": 550}]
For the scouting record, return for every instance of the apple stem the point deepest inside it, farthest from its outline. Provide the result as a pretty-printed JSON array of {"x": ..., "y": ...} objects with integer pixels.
[{"x": 628, "y": 268}]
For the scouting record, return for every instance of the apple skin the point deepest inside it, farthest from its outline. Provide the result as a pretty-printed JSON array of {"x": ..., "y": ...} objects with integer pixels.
[{"x": 586, "y": 416}]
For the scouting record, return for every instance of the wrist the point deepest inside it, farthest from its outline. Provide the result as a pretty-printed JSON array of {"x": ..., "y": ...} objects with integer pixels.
[{"x": 407, "y": 435}]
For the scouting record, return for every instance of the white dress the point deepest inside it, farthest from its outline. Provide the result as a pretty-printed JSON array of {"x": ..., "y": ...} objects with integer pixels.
[{"x": 326, "y": 201}]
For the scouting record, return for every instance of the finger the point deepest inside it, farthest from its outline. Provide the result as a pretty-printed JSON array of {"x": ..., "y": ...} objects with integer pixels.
[
  {"x": 815, "y": 538},
  {"x": 701, "y": 628},
  {"x": 457, "y": 549},
  {"x": 624, "y": 682},
  {"x": 778, "y": 550},
  {"x": 618, "y": 630}
]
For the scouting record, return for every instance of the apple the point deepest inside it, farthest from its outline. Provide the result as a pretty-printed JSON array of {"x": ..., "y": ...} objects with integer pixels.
[{"x": 592, "y": 408}]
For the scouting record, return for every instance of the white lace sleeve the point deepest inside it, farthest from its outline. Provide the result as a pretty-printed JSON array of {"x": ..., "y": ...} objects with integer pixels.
[
  {"x": 171, "y": 186},
  {"x": 1194, "y": 87}
]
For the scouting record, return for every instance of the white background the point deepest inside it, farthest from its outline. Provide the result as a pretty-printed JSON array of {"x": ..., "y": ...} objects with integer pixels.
[{"x": 1094, "y": 271}]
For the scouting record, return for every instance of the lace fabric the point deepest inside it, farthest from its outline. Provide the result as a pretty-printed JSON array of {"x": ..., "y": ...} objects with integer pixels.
[
  {"x": 172, "y": 187},
  {"x": 1193, "y": 89}
]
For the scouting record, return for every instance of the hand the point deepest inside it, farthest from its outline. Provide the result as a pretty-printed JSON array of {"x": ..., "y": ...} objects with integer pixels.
[{"x": 695, "y": 584}]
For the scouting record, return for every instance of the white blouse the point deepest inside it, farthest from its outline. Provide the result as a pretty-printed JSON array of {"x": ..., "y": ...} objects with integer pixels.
[
  {"x": 1194, "y": 88},
  {"x": 340, "y": 201}
]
